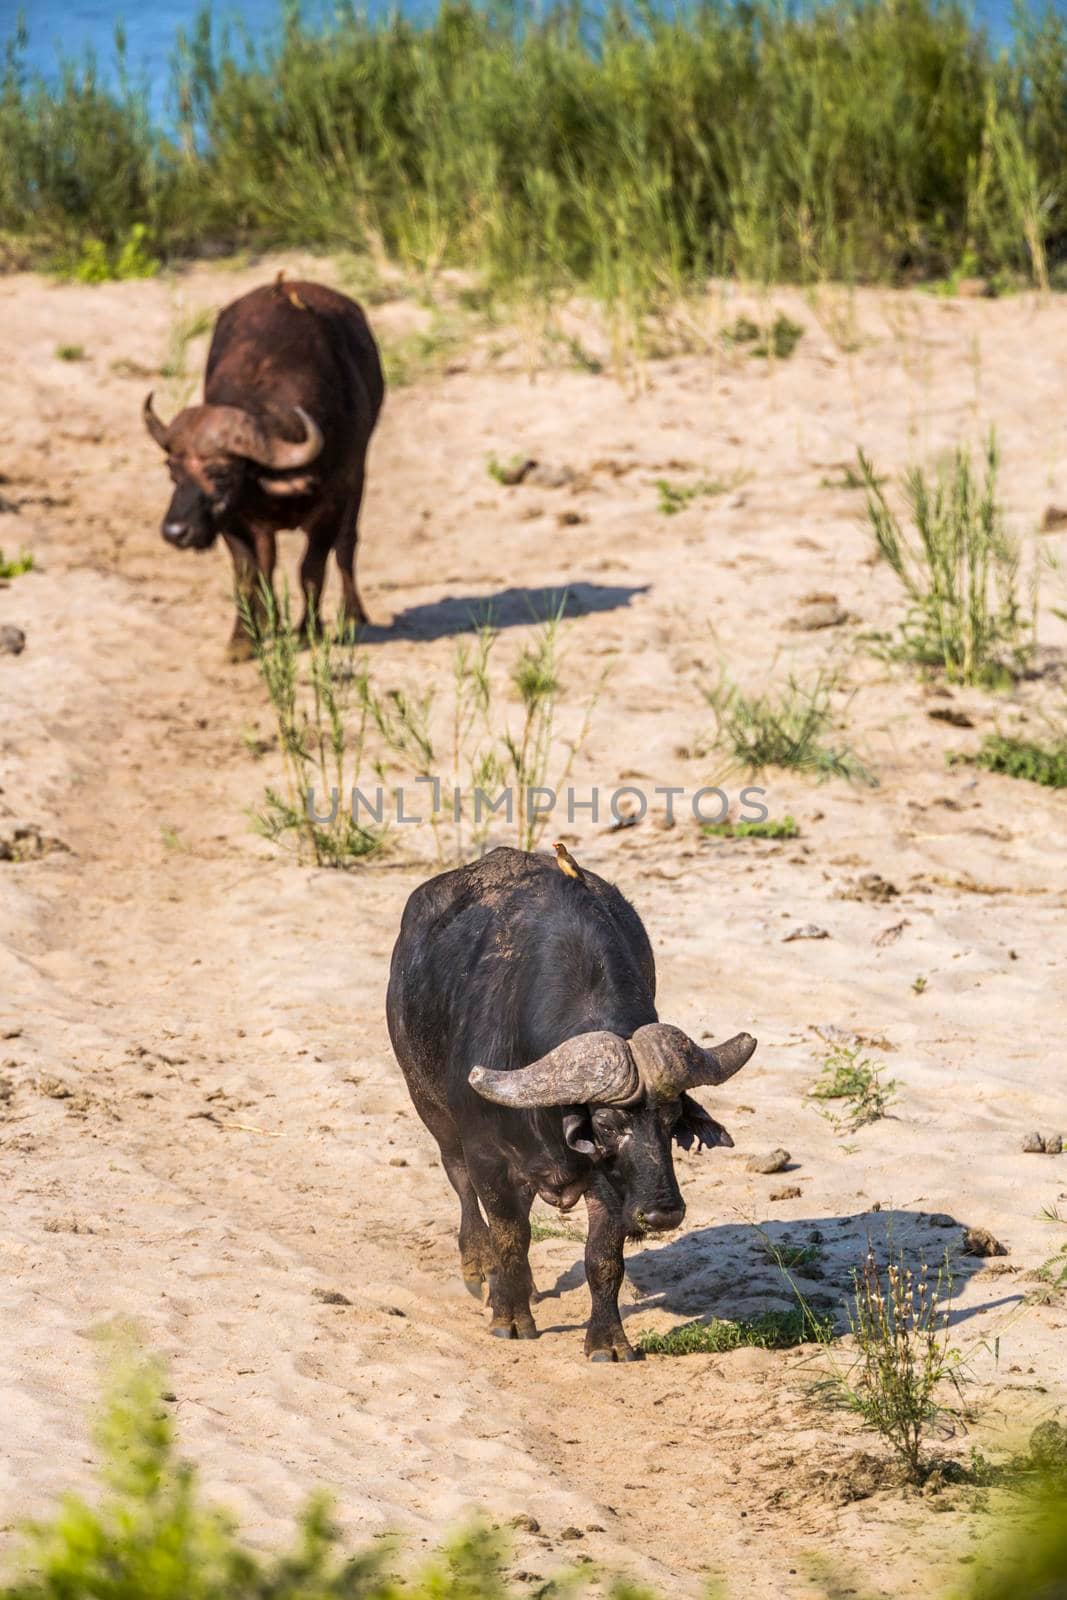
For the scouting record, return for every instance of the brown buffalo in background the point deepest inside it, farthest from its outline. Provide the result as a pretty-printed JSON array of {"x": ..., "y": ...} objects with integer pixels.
[{"x": 292, "y": 392}]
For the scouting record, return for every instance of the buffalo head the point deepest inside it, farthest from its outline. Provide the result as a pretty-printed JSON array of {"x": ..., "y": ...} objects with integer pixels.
[
  {"x": 623, "y": 1101},
  {"x": 211, "y": 451}
]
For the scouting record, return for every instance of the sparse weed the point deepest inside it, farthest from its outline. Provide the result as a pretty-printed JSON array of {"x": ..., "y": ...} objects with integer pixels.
[
  {"x": 485, "y": 751},
  {"x": 674, "y": 497},
  {"x": 848, "y": 1076},
  {"x": 782, "y": 339},
  {"x": 70, "y": 352},
  {"x": 321, "y": 754},
  {"x": 919, "y": 984},
  {"x": 790, "y": 1257},
  {"x": 1026, "y": 759},
  {"x": 505, "y": 472},
  {"x": 904, "y": 1355},
  {"x": 741, "y": 331},
  {"x": 15, "y": 566},
  {"x": 849, "y": 479},
  {"x": 547, "y": 1228},
  {"x": 1054, "y": 1271},
  {"x": 97, "y": 262},
  {"x": 774, "y": 828},
  {"x": 148, "y": 1534},
  {"x": 773, "y": 1330},
  {"x": 421, "y": 354},
  {"x": 960, "y": 571},
  {"x": 784, "y": 727}
]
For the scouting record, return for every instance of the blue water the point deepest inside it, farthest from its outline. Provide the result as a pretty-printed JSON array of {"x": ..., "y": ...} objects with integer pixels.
[{"x": 68, "y": 28}]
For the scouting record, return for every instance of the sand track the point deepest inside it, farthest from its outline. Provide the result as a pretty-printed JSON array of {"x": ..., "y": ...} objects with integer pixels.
[{"x": 236, "y": 1136}]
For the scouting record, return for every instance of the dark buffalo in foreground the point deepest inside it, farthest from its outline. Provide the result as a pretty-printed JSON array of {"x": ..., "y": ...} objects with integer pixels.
[
  {"x": 291, "y": 395},
  {"x": 522, "y": 1011}
]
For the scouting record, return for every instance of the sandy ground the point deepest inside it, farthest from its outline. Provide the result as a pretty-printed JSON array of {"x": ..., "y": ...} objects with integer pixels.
[{"x": 229, "y": 1136}]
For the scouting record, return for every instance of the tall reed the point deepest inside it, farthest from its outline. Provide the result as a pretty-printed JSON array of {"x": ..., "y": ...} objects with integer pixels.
[{"x": 629, "y": 150}]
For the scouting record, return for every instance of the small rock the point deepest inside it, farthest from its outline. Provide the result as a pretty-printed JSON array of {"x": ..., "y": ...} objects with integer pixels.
[
  {"x": 54, "y": 1088},
  {"x": 28, "y": 844},
  {"x": 775, "y": 1161},
  {"x": 808, "y": 930},
  {"x": 1054, "y": 1144},
  {"x": 949, "y": 714},
  {"x": 397, "y": 1161},
  {"x": 1055, "y": 517},
  {"x": 547, "y": 476},
  {"x": 792, "y": 1192},
  {"x": 570, "y": 519},
  {"x": 516, "y": 472},
  {"x": 1034, "y": 1145},
  {"x": 572, "y": 1533},
  {"x": 169, "y": 1395},
  {"x": 871, "y": 886},
  {"x": 821, "y": 614},
  {"x": 980, "y": 1242},
  {"x": 1048, "y": 1445},
  {"x": 12, "y": 640},
  {"x": 940, "y": 1219},
  {"x": 331, "y": 1297},
  {"x": 527, "y": 1523},
  {"x": 10, "y": 508}
]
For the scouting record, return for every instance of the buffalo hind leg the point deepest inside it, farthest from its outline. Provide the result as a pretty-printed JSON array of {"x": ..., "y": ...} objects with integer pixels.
[
  {"x": 475, "y": 1247},
  {"x": 313, "y": 576},
  {"x": 345, "y": 551},
  {"x": 253, "y": 556},
  {"x": 605, "y": 1339},
  {"x": 507, "y": 1211}
]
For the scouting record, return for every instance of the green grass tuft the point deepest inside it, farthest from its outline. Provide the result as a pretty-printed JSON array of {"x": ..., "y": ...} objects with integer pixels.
[
  {"x": 855, "y": 1080},
  {"x": 788, "y": 726},
  {"x": 959, "y": 569},
  {"x": 16, "y": 565},
  {"x": 774, "y": 828},
  {"x": 773, "y": 1330},
  {"x": 1021, "y": 758}
]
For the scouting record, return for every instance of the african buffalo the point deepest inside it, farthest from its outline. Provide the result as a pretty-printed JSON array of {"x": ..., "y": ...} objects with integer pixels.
[
  {"x": 521, "y": 1009},
  {"x": 292, "y": 392}
]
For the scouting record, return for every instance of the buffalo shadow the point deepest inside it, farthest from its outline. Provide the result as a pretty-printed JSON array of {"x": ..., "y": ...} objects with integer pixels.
[
  {"x": 508, "y": 608},
  {"x": 727, "y": 1271}
]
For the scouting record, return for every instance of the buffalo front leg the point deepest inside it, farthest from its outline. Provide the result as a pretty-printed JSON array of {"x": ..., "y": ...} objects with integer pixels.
[
  {"x": 507, "y": 1211},
  {"x": 475, "y": 1246},
  {"x": 254, "y": 554},
  {"x": 321, "y": 532},
  {"x": 345, "y": 551},
  {"x": 604, "y": 1339}
]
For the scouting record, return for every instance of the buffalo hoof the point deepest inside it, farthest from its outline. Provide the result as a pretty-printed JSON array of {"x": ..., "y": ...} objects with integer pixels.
[
  {"x": 475, "y": 1287},
  {"x": 514, "y": 1330},
  {"x": 615, "y": 1352},
  {"x": 240, "y": 648}
]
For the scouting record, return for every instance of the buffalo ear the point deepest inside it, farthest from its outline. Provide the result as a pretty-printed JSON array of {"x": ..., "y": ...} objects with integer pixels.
[
  {"x": 578, "y": 1132},
  {"x": 302, "y": 483},
  {"x": 696, "y": 1127}
]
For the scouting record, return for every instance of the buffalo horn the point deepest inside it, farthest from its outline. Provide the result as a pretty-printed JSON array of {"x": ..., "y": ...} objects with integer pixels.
[
  {"x": 281, "y": 454},
  {"x": 591, "y": 1069},
  {"x": 155, "y": 425},
  {"x": 669, "y": 1062}
]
